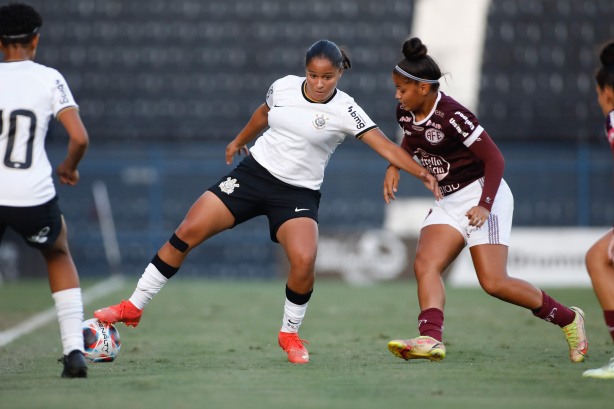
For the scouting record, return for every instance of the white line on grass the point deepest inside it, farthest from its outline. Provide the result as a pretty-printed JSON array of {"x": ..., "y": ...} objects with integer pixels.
[{"x": 91, "y": 294}]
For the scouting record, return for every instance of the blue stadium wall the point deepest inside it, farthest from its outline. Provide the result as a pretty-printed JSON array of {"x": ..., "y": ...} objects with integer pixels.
[{"x": 164, "y": 86}]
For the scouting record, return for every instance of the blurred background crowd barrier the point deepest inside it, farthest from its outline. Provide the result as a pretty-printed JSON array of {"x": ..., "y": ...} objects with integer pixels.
[{"x": 163, "y": 86}]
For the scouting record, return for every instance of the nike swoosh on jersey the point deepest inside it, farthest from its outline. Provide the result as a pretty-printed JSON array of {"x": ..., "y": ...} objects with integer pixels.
[{"x": 296, "y": 209}]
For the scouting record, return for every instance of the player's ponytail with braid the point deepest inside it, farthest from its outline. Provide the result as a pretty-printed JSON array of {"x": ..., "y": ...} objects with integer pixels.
[
  {"x": 417, "y": 64},
  {"x": 330, "y": 51},
  {"x": 605, "y": 73}
]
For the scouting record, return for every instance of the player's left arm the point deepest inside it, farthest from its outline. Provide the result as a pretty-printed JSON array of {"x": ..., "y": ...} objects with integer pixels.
[
  {"x": 485, "y": 149},
  {"x": 400, "y": 158},
  {"x": 77, "y": 146}
]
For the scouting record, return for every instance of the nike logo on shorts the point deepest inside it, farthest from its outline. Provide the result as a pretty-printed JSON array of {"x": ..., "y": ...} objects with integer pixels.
[{"x": 296, "y": 209}]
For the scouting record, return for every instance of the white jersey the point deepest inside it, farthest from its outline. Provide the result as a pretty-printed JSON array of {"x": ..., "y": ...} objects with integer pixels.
[
  {"x": 30, "y": 94},
  {"x": 303, "y": 134}
]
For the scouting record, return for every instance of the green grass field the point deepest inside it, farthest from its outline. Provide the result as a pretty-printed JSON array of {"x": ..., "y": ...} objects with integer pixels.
[{"x": 214, "y": 344}]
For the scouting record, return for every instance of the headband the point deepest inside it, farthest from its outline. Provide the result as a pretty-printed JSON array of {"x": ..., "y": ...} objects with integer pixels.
[
  {"x": 413, "y": 77},
  {"x": 15, "y": 36}
]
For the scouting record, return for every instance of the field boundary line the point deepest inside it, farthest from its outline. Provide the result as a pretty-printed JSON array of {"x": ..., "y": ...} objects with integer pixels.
[{"x": 98, "y": 290}]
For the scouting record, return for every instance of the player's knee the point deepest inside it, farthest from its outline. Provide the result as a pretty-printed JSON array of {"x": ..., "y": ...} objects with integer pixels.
[
  {"x": 303, "y": 260},
  {"x": 493, "y": 287}
]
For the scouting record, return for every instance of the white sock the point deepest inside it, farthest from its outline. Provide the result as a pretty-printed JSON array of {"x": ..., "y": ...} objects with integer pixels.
[
  {"x": 69, "y": 308},
  {"x": 149, "y": 284},
  {"x": 293, "y": 316}
]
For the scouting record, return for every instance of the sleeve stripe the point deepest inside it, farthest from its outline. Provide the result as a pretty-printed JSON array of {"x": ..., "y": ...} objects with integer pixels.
[
  {"x": 359, "y": 135},
  {"x": 471, "y": 138},
  {"x": 66, "y": 109}
]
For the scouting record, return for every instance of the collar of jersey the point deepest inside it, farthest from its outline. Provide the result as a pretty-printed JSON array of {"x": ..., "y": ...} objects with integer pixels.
[
  {"x": 439, "y": 93},
  {"x": 304, "y": 91}
]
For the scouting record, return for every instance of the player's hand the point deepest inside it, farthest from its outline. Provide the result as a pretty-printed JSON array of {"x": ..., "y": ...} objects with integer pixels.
[
  {"x": 431, "y": 184},
  {"x": 67, "y": 175},
  {"x": 233, "y": 149},
  {"x": 477, "y": 216},
  {"x": 611, "y": 249},
  {"x": 391, "y": 183}
]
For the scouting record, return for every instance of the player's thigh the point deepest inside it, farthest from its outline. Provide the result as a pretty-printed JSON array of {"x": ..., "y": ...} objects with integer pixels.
[
  {"x": 490, "y": 262},
  {"x": 299, "y": 238},
  {"x": 598, "y": 253},
  {"x": 438, "y": 246},
  {"x": 207, "y": 217}
]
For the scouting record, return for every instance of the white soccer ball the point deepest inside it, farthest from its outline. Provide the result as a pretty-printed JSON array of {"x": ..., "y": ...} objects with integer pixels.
[{"x": 100, "y": 340}]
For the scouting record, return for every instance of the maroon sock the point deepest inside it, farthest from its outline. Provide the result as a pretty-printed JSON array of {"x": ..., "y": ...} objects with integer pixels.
[
  {"x": 554, "y": 312},
  {"x": 430, "y": 323},
  {"x": 609, "y": 321}
]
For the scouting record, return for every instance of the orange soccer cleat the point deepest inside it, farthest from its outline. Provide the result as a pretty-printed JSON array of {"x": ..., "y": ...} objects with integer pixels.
[
  {"x": 290, "y": 342},
  {"x": 124, "y": 312}
]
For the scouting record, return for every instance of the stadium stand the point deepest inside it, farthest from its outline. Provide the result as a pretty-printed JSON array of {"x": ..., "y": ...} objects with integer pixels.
[
  {"x": 539, "y": 57},
  {"x": 163, "y": 86}
]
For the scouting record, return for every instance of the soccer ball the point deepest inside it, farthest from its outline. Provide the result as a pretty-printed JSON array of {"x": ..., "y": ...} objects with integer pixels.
[{"x": 100, "y": 340}]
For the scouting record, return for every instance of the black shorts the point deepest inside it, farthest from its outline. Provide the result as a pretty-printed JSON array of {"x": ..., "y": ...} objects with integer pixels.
[
  {"x": 39, "y": 225},
  {"x": 250, "y": 190}
]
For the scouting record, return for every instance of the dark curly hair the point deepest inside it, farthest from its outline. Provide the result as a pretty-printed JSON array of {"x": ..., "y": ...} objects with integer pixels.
[
  {"x": 417, "y": 62},
  {"x": 605, "y": 73},
  {"x": 19, "y": 23}
]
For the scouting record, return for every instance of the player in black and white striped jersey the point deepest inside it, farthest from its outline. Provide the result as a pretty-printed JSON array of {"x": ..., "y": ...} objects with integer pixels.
[
  {"x": 307, "y": 117},
  {"x": 30, "y": 95}
]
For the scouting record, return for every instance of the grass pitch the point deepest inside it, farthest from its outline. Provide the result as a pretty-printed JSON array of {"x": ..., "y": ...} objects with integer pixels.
[{"x": 214, "y": 344}]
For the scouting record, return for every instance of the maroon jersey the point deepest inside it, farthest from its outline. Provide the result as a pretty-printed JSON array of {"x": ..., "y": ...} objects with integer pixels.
[
  {"x": 443, "y": 142},
  {"x": 609, "y": 129}
]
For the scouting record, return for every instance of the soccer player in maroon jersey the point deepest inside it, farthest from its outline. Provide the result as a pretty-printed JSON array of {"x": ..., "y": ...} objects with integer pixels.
[
  {"x": 476, "y": 209},
  {"x": 600, "y": 257}
]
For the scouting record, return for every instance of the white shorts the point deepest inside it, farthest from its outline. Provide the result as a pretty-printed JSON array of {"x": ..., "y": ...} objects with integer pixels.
[{"x": 451, "y": 210}]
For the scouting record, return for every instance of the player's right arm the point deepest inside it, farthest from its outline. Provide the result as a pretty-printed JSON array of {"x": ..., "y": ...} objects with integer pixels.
[
  {"x": 258, "y": 122},
  {"x": 77, "y": 146}
]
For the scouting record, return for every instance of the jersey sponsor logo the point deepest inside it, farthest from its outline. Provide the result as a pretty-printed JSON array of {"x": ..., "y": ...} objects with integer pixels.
[
  {"x": 433, "y": 124},
  {"x": 417, "y": 128},
  {"x": 435, "y": 164},
  {"x": 466, "y": 120},
  {"x": 63, "y": 97},
  {"x": 406, "y": 132},
  {"x": 447, "y": 189},
  {"x": 40, "y": 237},
  {"x": 360, "y": 123},
  {"x": 405, "y": 118},
  {"x": 458, "y": 128},
  {"x": 439, "y": 113},
  {"x": 319, "y": 123},
  {"x": 228, "y": 186},
  {"x": 434, "y": 136}
]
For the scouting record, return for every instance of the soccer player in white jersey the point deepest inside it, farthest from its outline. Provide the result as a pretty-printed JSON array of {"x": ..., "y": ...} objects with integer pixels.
[
  {"x": 600, "y": 257},
  {"x": 307, "y": 117},
  {"x": 476, "y": 209},
  {"x": 30, "y": 94}
]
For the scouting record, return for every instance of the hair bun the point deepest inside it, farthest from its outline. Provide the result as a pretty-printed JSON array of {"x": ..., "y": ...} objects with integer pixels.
[
  {"x": 607, "y": 55},
  {"x": 413, "y": 49}
]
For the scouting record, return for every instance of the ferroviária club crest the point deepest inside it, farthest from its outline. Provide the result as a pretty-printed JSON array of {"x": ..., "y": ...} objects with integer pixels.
[
  {"x": 228, "y": 186},
  {"x": 320, "y": 122}
]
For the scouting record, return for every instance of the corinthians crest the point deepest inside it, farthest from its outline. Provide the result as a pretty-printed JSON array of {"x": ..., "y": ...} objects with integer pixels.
[
  {"x": 228, "y": 186},
  {"x": 320, "y": 122}
]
